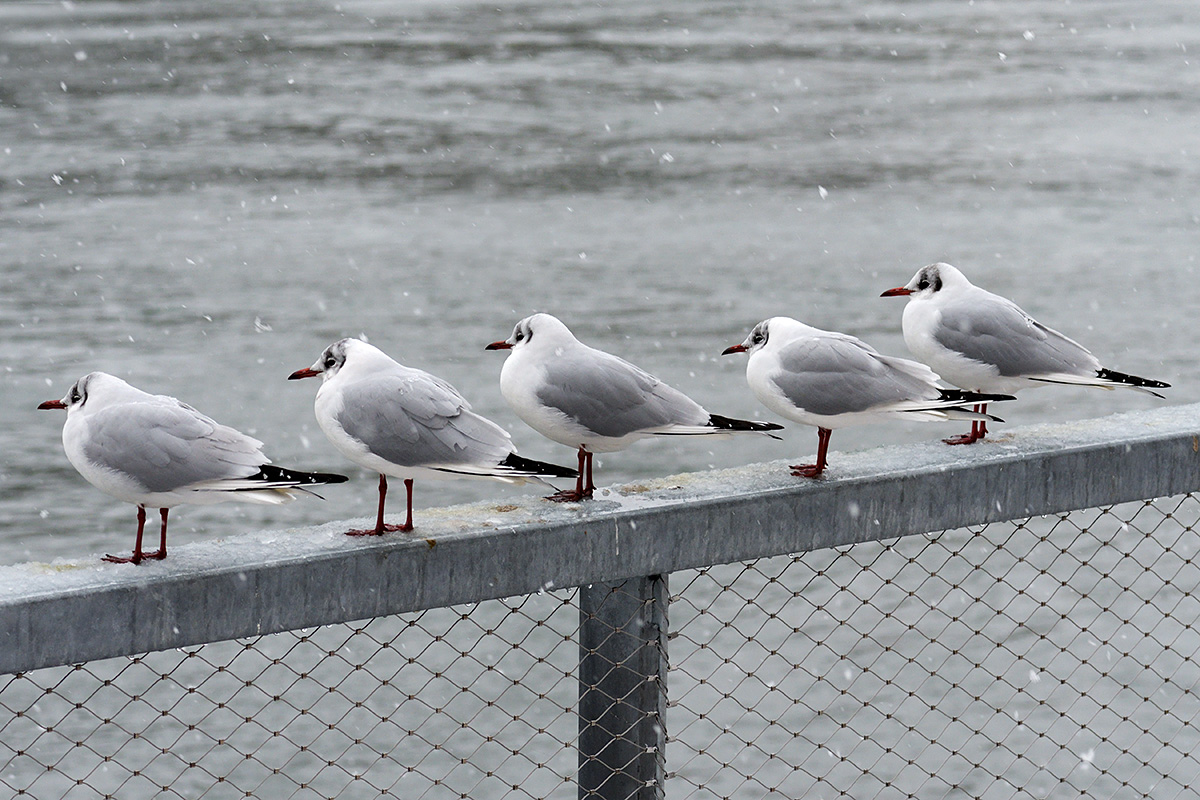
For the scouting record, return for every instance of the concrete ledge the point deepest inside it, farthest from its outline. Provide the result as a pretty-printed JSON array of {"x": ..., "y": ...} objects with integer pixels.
[{"x": 265, "y": 582}]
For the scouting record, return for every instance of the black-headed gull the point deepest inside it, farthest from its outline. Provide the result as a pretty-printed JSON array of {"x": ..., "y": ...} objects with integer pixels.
[
  {"x": 406, "y": 423},
  {"x": 983, "y": 342},
  {"x": 833, "y": 380},
  {"x": 153, "y": 450},
  {"x": 594, "y": 401}
]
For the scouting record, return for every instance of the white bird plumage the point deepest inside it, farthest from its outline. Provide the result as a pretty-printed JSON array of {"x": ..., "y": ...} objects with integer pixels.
[
  {"x": 155, "y": 451},
  {"x": 833, "y": 380},
  {"x": 406, "y": 423},
  {"x": 983, "y": 342},
  {"x": 588, "y": 399}
]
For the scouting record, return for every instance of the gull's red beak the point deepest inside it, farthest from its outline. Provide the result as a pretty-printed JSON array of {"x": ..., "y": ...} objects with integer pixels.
[
  {"x": 53, "y": 404},
  {"x": 899, "y": 291},
  {"x": 737, "y": 348},
  {"x": 500, "y": 345},
  {"x": 307, "y": 372}
]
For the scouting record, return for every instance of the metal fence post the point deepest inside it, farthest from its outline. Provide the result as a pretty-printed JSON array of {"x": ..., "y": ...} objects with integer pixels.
[{"x": 623, "y": 689}]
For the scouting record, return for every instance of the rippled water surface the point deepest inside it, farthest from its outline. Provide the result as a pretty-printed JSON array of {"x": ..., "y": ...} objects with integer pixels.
[{"x": 200, "y": 196}]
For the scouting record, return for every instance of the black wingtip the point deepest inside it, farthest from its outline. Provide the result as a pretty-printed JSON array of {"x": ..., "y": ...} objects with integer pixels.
[
  {"x": 540, "y": 468},
  {"x": 270, "y": 472},
  {"x": 1131, "y": 380},
  {"x": 730, "y": 424},
  {"x": 962, "y": 396}
]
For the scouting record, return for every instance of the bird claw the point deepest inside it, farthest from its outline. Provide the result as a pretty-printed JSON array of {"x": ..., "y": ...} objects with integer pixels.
[
  {"x": 965, "y": 438},
  {"x": 380, "y": 531},
  {"x": 569, "y": 496},
  {"x": 806, "y": 470},
  {"x": 136, "y": 558}
]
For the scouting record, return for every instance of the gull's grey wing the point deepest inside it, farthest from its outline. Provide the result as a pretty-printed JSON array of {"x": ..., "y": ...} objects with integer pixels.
[
  {"x": 991, "y": 329},
  {"x": 840, "y": 375},
  {"x": 415, "y": 419},
  {"x": 165, "y": 445},
  {"x": 611, "y": 397}
]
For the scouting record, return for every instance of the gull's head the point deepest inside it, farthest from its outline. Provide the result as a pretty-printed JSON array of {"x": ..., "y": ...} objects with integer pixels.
[
  {"x": 929, "y": 281},
  {"x": 331, "y": 361},
  {"x": 757, "y": 339},
  {"x": 776, "y": 329},
  {"x": 538, "y": 330},
  {"x": 89, "y": 385}
]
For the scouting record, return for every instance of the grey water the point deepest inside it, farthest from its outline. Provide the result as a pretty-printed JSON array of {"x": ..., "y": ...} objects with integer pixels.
[{"x": 199, "y": 197}]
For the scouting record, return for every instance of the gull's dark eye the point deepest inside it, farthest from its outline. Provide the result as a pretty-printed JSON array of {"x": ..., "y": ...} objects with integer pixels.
[
  {"x": 329, "y": 362},
  {"x": 518, "y": 336},
  {"x": 929, "y": 279}
]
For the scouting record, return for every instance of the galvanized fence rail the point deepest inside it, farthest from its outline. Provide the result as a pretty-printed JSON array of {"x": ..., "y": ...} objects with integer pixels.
[{"x": 731, "y": 633}]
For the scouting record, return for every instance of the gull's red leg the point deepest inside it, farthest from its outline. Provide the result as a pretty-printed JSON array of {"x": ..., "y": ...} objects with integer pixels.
[
  {"x": 978, "y": 429},
  {"x": 580, "y": 492},
  {"x": 815, "y": 470},
  {"x": 380, "y": 527},
  {"x": 408, "y": 487},
  {"x": 162, "y": 536},
  {"x": 137, "y": 556}
]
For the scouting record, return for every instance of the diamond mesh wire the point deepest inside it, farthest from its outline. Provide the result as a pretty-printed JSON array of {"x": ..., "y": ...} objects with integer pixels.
[
  {"x": 1040, "y": 658},
  {"x": 1044, "y": 658},
  {"x": 469, "y": 701}
]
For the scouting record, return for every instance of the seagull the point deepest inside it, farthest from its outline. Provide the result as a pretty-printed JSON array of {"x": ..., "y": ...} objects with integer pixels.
[
  {"x": 983, "y": 342},
  {"x": 406, "y": 423},
  {"x": 585, "y": 398},
  {"x": 153, "y": 450},
  {"x": 834, "y": 380}
]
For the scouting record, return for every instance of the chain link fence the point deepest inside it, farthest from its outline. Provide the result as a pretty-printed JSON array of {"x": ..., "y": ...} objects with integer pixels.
[
  {"x": 1039, "y": 658},
  {"x": 1050, "y": 657},
  {"x": 470, "y": 701}
]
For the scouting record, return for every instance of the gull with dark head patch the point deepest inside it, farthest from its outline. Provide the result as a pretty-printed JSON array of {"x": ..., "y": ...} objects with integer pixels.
[
  {"x": 833, "y": 380},
  {"x": 596, "y": 402},
  {"x": 153, "y": 450},
  {"x": 406, "y": 423},
  {"x": 983, "y": 342}
]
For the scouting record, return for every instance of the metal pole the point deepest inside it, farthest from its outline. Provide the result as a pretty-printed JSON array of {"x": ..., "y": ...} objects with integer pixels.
[{"x": 623, "y": 689}]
